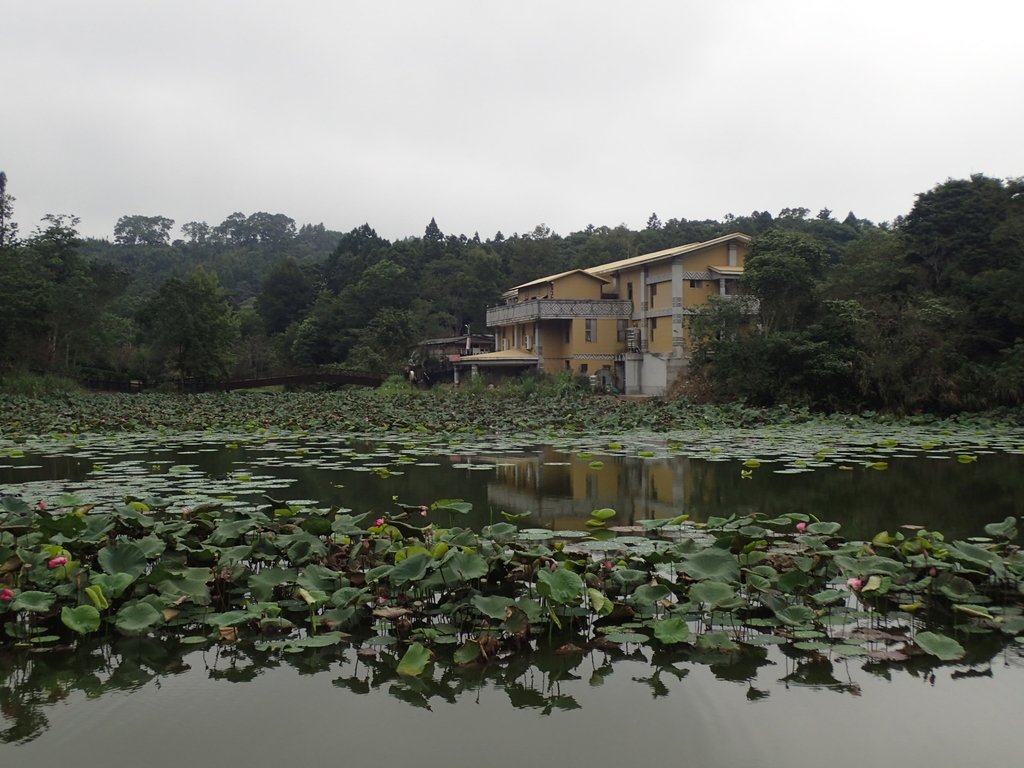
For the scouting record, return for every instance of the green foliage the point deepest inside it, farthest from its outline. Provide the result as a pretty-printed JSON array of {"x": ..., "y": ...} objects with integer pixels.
[
  {"x": 923, "y": 315},
  {"x": 927, "y": 316},
  {"x": 193, "y": 327}
]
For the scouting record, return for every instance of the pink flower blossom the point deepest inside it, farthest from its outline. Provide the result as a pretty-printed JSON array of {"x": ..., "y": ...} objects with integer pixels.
[
  {"x": 42, "y": 506},
  {"x": 801, "y": 527},
  {"x": 855, "y": 584},
  {"x": 607, "y": 565},
  {"x": 423, "y": 510},
  {"x": 57, "y": 562},
  {"x": 379, "y": 522},
  {"x": 6, "y": 595}
]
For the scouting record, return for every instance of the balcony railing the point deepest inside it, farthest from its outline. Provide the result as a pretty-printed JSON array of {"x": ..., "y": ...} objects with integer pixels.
[{"x": 558, "y": 309}]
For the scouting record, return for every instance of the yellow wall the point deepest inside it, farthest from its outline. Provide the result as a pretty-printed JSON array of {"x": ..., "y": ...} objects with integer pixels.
[
  {"x": 577, "y": 286},
  {"x": 659, "y": 296},
  {"x": 659, "y": 337}
]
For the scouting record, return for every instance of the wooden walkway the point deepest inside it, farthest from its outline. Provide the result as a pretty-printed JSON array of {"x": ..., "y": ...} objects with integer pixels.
[{"x": 295, "y": 378}]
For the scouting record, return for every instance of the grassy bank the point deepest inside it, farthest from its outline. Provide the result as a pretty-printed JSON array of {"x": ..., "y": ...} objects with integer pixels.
[{"x": 524, "y": 408}]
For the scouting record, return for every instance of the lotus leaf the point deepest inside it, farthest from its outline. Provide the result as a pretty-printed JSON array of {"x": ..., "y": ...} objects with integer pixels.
[
  {"x": 467, "y": 653},
  {"x": 34, "y": 601},
  {"x": 1006, "y": 529},
  {"x": 671, "y": 631},
  {"x": 414, "y": 661},
  {"x": 648, "y": 594},
  {"x": 135, "y": 618},
  {"x": 600, "y": 602},
  {"x": 464, "y": 566},
  {"x": 716, "y": 641},
  {"x": 796, "y": 615},
  {"x": 712, "y": 593},
  {"x": 626, "y": 637},
  {"x": 411, "y": 569},
  {"x": 81, "y": 619},
  {"x": 263, "y": 582},
  {"x": 125, "y": 557},
  {"x": 971, "y": 553},
  {"x": 494, "y": 606},
  {"x": 945, "y": 648},
  {"x": 561, "y": 586},
  {"x": 712, "y": 563}
]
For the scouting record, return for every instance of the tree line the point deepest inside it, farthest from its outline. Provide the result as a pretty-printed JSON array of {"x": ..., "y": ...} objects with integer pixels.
[{"x": 925, "y": 312}]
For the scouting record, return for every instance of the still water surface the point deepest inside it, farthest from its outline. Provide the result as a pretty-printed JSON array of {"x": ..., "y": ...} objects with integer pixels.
[{"x": 161, "y": 703}]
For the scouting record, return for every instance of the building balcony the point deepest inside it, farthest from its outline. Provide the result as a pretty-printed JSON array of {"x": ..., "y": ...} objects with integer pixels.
[{"x": 558, "y": 309}]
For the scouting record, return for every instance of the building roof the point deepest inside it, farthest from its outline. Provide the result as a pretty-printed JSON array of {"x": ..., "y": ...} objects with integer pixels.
[
  {"x": 504, "y": 357},
  {"x": 737, "y": 271},
  {"x": 646, "y": 258},
  {"x": 483, "y": 337},
  {"x": 559, "y": 276}
]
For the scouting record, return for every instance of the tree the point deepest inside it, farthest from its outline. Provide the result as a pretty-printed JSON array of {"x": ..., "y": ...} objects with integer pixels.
[
  {"x": 384, "y": 345},
  {"x": 949, "y": 230},
  {"x": 285, "y": 296},
  {"x": 781, "y": 271},
  {"x": 192, "y": 327},
  {"x": 197, "y": 232},
  {"x": 433, "y": 241},
  {"x": 8, "y": 229},
  {"x": 143, "y": 230},
  {"x": 270, "y": 228}
]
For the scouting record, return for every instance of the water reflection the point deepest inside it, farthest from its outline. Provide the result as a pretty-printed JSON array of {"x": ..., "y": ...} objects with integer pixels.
[
  {"x": 560, "y": 491},
  {"x": 558, "y": 487},
  {"x": 34, "y": 687}
]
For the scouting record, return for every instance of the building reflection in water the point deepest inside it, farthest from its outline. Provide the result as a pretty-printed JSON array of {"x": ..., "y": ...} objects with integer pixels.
[{"x": 561, "y": 490}]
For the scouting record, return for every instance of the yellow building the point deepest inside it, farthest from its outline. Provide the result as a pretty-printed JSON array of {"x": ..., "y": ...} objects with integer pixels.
[{"x": 623, "y": 322}]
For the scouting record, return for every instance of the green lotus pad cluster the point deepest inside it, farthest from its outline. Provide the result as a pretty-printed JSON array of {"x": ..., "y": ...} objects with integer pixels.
[{"x": 296, "y": 577}]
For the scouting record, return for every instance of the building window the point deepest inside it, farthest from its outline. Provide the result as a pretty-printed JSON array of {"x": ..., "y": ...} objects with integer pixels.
[
  {"x": 591, "y": 330},
  {"x": 583, "y": 368},
  {"x": 620, "y": 330},
  {"x": 629, "y": 291},
  {"x": 696, "y": 283},
  {"x": 653, "y": 289},
  {"x": 653, "y": 327},
  {"x": 732, "y": 287},
  {"x": 568, "y": 331}
]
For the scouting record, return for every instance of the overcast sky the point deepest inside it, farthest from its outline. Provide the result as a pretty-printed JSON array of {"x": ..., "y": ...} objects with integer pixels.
[{"x": 501, "y": 116}]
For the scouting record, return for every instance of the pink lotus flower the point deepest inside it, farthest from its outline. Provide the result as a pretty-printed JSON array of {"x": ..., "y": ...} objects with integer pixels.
[
  {"x": 801, "y": 527},
  {"x": 57, "y": 562},
  {"x": 6, "y": 595},
  {"x": 607, "y": 565},
  {"x": 379, "y": 522},
  {"x": 423, "y": 510},
  {"x": 855, "y": 584},
  {"x": 42, "y": 506}
]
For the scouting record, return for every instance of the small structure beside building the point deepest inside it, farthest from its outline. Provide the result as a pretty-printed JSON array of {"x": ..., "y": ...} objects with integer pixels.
[
  {"x": 435, "y": 360},
  {"x": 624, "y": 324}
]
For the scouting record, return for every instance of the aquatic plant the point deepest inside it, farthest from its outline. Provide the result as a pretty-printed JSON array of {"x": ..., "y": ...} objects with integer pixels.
[{"x": 286, "y": 579}]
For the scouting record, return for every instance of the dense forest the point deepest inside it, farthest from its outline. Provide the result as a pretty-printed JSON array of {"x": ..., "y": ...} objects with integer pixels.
[{"x": 922, "y": 313}]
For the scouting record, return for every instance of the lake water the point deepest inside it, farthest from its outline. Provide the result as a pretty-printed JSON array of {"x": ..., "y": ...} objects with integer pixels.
[{"x": 162, "y": 703}]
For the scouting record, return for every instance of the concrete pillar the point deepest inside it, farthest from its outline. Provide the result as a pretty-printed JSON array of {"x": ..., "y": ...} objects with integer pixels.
[{"x": 677, "y": 309}]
